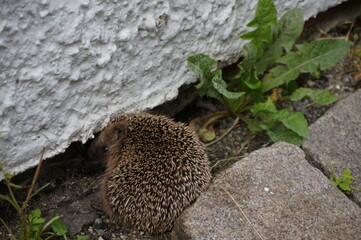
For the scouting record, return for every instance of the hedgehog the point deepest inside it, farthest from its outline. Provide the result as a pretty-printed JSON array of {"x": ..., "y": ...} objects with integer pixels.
[{"x": 155, "y": 168}]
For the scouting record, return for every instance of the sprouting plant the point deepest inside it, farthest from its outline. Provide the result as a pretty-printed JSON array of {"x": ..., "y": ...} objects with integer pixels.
[
  {"x": 344, "y": 182},
  {"x": 271, "y": 62},
  {"x": 32, "y": 225},
  {"x": 38, "y": 226},
  {"x": 82, "y": 238}
]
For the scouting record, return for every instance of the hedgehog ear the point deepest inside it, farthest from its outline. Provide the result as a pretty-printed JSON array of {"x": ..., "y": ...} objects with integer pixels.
[{"x": 120, "y": 131}]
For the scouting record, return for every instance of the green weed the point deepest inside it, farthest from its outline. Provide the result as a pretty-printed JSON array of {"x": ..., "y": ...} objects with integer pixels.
[
  {"x": 82, "y": 238},
  {"x": 32, "y": 225},
  {"x": 271, "y": 62},
  {"x": 344, "y": 182}
]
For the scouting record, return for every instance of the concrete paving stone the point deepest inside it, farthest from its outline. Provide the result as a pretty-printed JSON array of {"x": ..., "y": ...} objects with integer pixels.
[
  {"x": 335, "y": 138},
  {"x": 274, "y": 193}
]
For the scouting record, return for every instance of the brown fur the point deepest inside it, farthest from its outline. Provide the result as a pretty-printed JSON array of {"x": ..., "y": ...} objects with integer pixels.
[{"x": 155, "y": 169}]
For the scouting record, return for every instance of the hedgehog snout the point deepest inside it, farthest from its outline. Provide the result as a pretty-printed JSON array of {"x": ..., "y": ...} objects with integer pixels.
[{"x": 95, "y": 156}]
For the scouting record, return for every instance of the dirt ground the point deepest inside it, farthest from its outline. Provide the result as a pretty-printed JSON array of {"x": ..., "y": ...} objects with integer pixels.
[{"x": 71, "y": 184}]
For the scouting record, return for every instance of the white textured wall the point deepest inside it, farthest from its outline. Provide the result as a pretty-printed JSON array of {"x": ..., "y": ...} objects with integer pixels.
[{"x": 66, "y": 66}]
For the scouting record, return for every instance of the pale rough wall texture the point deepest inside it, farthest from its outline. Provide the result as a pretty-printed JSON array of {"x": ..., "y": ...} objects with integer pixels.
[{"x": 66, "y": 67}]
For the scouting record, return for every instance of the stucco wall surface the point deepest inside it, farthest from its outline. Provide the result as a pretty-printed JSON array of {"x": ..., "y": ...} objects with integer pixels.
[{"x": 67, "y": 67}]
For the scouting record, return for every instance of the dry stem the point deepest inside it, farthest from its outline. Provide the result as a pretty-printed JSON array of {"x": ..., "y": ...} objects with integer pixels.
[
  {"x": 245, "y": 143},
  {"x": 34, "y": 180},
  {"x": 240, "y": 209},
  {"x": 224, "y": 134}
]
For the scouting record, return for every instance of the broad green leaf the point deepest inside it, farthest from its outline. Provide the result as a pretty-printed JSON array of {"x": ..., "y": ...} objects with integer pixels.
[
  {"x": 246, "y": 80},
  {"x": 267, "y": 106},
  {"x": 233, "y": 100},
  {"x": 321, "y": 97},
  {"x": 345, "y": 181},
  {"x": 247, "y": 74},
  {"x": 59, "y": 227},
  {"x": 36, "y": 213},
  {"x": 257, "y": 96},
  {"x": 285, "y": 33},
  {"x": 278, "y": 76},
  {"x": 322, "y": 53},
  {"x": 268, "y": 121},
  {"x": 234, "y": 105},
  {"x": 203, "y": 65},
  {"x": 253, "y": 125},
  {"x": 8, "y": 176},
  {"x": 333, "y": 181},
  {"x": 265, "y": 17},
  {"x": 265, "y": 111},
  {"x": 82, "y": 238},
  {"x": 289, "y": 28},
  {"x": 279, "y": 125},
  {"x": 35, "y": 227},
  {"x": 259, "y": 37},
  {"x": 266, "y": 13},
  {"x": 282, "y": 134},
  {"x": 316, "y": 55},
  {"x": 253, "y": 83},
  {"x": 221, "y": 86},
  {"x": 211, "y": 91},
  {"x": 38, "y": 220},
  {"x": 250, "y": 54},
  {"x": 294, "y": 121},
  {"x": 338, "y": 181},
  {"x": 345, "y": 186},
  {"x": 346, "y": 172}
]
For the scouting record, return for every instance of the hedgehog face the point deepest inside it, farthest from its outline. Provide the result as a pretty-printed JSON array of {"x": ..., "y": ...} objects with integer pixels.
[{"x": 98, "y": 152}]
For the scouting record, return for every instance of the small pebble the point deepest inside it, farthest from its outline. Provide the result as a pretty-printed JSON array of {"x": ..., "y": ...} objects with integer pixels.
[
  {"x": 100, "y": 231},
  {"x": 311, "y": 83},
  {"x": 98, "y": 220}
]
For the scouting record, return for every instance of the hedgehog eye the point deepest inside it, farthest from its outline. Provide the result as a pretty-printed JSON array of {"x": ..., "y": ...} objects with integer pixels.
[{"x": 105, "y": 149}]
